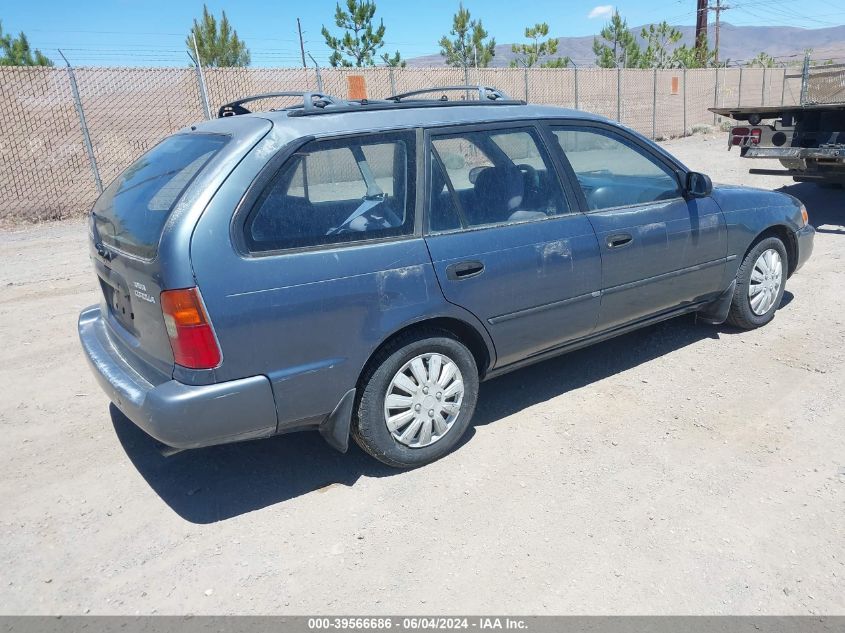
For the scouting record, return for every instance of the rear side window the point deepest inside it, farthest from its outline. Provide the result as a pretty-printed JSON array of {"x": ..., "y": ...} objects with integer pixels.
[
  {"x": 613, "y": 172},
  {"x": 337, "y": 191},
  {"x": 131, "y": 213}
]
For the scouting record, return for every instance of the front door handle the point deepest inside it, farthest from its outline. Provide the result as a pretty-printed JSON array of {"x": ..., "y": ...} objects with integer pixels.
[
  {"x": 464, "y": 270},
  {"x": 619, "y": 239}
]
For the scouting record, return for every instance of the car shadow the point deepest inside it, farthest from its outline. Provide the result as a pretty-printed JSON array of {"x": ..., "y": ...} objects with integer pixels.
[
  {"x": 521, "y": 389},
  {"x": 217, "y": 483},
  {"x": 206, "y": 485},
  {"x": 825, "y": 206}
]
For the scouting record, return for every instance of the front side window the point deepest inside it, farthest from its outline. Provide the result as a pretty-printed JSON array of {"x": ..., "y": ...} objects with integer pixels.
[
  {"x": 491, "y": 177},
  {"x": 337, "y": 191},
  {"x": 613, "y": 172}
]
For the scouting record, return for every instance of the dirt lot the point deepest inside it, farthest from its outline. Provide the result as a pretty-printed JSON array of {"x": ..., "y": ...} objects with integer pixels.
[{"x": 680, "y": 469}]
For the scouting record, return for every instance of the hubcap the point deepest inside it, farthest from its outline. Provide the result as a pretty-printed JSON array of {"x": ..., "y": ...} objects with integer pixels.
[
  {"x": 423, "y": 400},
  {"x": 766, "y": 279}
]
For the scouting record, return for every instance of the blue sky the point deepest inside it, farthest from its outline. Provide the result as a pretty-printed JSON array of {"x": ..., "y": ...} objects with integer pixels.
[{"x": 152, "y": 32}]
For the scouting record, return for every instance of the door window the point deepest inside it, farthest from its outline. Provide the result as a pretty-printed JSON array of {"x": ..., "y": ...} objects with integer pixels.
[
  {"x": 337, "y": 191},
  {"x": 613, "y": 172},
  {"x": 491, "y": 177}
]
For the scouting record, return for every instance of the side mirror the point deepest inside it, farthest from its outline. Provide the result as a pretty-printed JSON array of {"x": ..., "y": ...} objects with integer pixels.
[{"x": 698, "y": 185}]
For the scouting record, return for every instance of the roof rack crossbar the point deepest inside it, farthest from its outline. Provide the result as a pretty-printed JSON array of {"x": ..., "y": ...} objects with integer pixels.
[
  {"x": 485, "y": 93},
  {"x": 310, "y": 102}
]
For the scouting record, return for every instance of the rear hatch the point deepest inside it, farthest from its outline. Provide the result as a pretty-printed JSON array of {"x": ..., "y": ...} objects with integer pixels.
[{"x": 126, "y": 227}]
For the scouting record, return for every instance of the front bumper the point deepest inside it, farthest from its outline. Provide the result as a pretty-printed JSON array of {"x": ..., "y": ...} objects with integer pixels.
[
  {"x": 804, "y": 238},
  {"x": 179, "y": 415}
]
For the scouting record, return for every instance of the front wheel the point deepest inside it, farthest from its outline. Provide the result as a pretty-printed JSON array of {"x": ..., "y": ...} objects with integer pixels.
[
  {"x": 760, "y": 283},
  {"x": 417, "y": 400}
]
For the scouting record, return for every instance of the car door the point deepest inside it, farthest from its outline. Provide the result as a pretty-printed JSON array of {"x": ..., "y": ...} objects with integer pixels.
[
  {"x": 660, "y": 251},
  {"x": 506, "y": 238}
]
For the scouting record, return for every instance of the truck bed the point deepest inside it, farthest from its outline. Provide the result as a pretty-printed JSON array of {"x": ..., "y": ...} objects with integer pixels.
[{"x": 741, "y": 113}]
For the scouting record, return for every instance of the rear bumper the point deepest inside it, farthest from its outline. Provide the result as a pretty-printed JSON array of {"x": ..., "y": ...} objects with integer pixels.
[
  {"x": 794, "y": 153},
  {"x": 179, "y": 415},
  {"x": 804, "y": 237}
]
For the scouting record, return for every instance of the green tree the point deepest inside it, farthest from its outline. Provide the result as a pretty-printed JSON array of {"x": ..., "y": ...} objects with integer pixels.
[
  {"x": 660, "y": 40},
  {"x": 617, "y": 48},
  {"x": 530, "y": 53},
  {"x": 218, "y": 43},
  {"x": 360, "y": 41},
  {"x": 695, "y": 57},
  {"x": 469, "y": 45},
  {"x": 15, "y": 51},
  {"x": 395, "y": 61},
  {"x": 762, "y": 60},
  {"x": 557, "y": 62}
]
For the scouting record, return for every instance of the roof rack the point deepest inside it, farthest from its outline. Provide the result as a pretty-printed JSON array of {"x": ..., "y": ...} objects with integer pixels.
[
  {"x": 485, "y": 93},
  {"x": 310, "y": 102},
  {"x": 319, "y": 103}
]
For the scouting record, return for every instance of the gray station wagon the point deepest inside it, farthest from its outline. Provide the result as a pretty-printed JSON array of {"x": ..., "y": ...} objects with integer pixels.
[{"x": 358, "y": 267}]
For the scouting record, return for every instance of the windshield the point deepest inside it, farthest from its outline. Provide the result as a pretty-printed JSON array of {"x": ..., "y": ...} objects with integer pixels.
[{"x": 132, "y": 211}]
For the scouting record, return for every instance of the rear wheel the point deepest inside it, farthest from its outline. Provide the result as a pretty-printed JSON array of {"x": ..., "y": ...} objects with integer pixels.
[
  {"x": 760, "y": 283},
  {"x": 417, "y": 400}
]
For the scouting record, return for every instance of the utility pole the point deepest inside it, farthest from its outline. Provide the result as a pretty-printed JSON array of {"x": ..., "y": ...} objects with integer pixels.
[
  {"x": 701, "y": 27},
  {"x": 718, "y": 11},
  {"x": 301, "y": 43}
]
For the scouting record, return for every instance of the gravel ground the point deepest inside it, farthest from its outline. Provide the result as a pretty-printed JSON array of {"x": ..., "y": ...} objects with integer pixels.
[{"x": 680, "y": 469}]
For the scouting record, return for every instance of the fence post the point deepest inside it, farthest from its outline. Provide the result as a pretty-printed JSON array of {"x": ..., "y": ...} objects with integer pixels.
[
  {"x": 685, "y": 101},
  {"x": 763, "y": 89},
  {"x": 392, "y": 80},
  {"x": 576, "y": 85},
  {"x": 86, "y": 138},
  {"x": 618, "y": 94},
  {"x": 739, "y": 90},
  {"x": 805, "y": 79},
  {"x": 654, "y": 105},
  {"x": 201, "y": 78},
  {"x": 783, "y": 86},
  {"x": 716, "y": 94},
  {"x": 526, "y": 84}
]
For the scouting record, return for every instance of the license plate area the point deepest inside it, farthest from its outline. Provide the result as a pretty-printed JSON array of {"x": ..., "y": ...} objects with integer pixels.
[{"x": 119, "y": 301}]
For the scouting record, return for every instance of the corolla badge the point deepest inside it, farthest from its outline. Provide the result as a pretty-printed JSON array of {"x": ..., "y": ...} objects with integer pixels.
[{"x": 141, "y": 292}]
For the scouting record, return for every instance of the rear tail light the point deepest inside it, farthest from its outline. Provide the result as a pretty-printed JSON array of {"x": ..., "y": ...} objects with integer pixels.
[
  {"x": 738, "y": 135},
  {"x": 191, "y": 335},
  {"x": 746, "y": 136}
]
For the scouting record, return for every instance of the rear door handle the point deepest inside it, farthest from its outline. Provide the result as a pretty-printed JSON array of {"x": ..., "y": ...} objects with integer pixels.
[
  {"x": 619, "y": 239},
  {"x": 464, "y": 270}
]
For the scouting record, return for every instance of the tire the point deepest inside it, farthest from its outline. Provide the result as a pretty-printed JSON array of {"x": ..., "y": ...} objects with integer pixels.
[
  {"x": 743, "y": 313},
  {"x": 452, "y": 411}
]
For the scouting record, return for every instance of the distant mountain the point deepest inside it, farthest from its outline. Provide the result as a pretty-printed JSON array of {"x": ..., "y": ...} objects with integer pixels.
[{"x": 735, "y": 43}]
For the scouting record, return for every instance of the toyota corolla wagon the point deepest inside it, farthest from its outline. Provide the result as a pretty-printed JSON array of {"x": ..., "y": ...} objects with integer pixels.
[{"x": 358, "y": 267}]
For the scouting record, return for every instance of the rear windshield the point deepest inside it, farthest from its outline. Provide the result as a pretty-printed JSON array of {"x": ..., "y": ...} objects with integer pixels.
[{"x": 131, "y": 213}]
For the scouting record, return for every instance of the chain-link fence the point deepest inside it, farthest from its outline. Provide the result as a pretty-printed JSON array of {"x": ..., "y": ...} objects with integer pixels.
[
  {"x": 826, "y": 84},
  {"x": 58, "y": 143}
]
